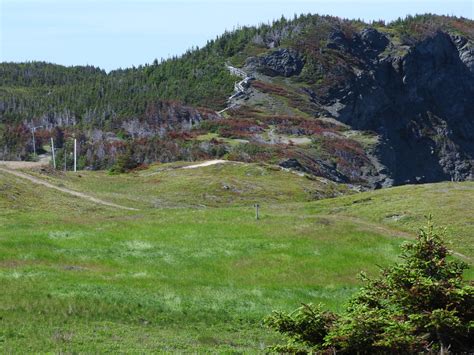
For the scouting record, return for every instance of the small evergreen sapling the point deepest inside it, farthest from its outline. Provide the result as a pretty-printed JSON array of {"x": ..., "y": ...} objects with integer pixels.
[{"x": 419, "y": 305}]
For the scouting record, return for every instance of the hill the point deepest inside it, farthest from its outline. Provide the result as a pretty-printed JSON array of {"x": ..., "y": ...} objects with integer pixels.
[
  {"x": 370, "y": 104},
  {"x": 190, "y": 270}
]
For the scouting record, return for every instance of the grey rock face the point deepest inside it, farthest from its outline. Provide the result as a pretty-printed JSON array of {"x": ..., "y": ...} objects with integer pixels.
[
  {"x": 421, "y": 102},
  {"x": 466, "y": 51},
  {"x": 283, "y": 62},
  {"x": 337, "y": 40},
  {"x": 374, "y": 39},
  {"x": 368, "y": 44}
]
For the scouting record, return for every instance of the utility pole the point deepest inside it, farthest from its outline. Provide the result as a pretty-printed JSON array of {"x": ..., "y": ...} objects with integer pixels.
[
  {"x": 52, "y": 152},
  {"x": 34, "y": 144},
  {"x": 75, "y": 154}
]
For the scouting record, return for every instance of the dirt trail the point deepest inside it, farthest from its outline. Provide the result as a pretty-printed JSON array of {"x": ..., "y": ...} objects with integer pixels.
[
  {"x": 15, "y": 165},
  {"x": 38, "y": 181},
  {"x": 386, "y": 230},
  {"x": 371, "y": 226}
]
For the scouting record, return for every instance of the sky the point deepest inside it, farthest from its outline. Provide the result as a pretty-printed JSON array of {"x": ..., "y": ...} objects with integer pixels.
[{"x": 115, "y": 34}]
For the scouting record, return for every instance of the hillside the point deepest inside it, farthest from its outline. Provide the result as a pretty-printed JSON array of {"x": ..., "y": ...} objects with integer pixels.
[
  {"x": 194, "y": 271},
  {"x": 369, "y": 104}
]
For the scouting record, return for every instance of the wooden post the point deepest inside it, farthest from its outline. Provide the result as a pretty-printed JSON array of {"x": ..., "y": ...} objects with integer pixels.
[
  {"x": 257, "y": 217},
  {"x": 75, "y": 155},
  {"x": 52, "y": 152}
]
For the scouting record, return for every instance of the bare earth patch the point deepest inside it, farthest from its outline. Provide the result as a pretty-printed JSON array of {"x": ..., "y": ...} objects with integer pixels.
[{"x": 206, "y": 163}]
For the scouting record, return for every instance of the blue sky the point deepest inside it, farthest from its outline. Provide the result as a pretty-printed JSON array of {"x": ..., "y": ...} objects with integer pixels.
[{"x": 122, "y": 33}]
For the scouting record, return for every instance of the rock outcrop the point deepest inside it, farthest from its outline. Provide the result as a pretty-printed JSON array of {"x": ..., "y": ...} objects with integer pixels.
[{"x": 283, "y": 61}]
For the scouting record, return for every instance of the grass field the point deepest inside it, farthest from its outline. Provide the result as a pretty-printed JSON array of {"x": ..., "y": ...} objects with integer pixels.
[{"x": 192, "y": 270}]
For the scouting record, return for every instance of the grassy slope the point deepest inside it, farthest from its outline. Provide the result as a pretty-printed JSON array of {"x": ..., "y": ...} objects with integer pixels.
[
  {"x": 405, "y": 208},
  {"x": 231, "y": 184},
  {"x": 80, "y": 277}
]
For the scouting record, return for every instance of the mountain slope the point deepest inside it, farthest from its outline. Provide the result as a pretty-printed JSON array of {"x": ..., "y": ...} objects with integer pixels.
[
  {"x": 372, "y": 104},
  {"x": 414, "y": 91}
]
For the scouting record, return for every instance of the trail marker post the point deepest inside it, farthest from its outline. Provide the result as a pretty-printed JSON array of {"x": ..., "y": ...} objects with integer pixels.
[{"x": 257, "y": 206}]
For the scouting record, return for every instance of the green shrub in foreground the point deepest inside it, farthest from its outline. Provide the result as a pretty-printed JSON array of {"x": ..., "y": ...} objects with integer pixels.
[{"x": 419, "y": 305}]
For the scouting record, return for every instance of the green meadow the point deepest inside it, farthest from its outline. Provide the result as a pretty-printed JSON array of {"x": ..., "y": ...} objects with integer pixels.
[{"x": 191, "y": 269}]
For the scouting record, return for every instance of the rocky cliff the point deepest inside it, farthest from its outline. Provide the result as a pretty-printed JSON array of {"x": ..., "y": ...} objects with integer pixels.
[{"x": 420, "y": 102}]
